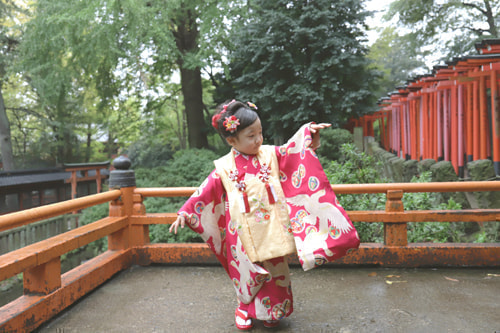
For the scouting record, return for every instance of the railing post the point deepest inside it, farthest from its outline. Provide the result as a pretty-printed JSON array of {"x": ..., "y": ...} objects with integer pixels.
[
  {"x": 124, "y": 179},
  {"x": 139, "y": 233},
  {"x": 395, "y": 234},
  {"x": 43, "y": 279}
]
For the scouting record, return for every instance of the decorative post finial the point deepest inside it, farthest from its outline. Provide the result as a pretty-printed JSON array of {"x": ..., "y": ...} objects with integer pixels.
[{"x": 122, "y": 176}]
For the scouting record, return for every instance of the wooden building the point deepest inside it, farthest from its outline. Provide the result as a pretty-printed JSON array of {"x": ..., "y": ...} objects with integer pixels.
[{"x": 25, "y": 189}]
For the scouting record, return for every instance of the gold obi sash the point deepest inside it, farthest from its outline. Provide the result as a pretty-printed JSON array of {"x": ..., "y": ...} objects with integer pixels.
[{"x": 265, "y": 231}]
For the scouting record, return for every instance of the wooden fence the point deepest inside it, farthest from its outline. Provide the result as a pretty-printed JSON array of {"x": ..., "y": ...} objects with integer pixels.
[{"x": 17, "y": 238}]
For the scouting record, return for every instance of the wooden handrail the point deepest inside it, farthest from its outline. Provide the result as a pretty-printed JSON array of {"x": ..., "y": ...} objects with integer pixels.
[
  {"x": 473, "y": 186},
  {"x": 17, "y": 219}
]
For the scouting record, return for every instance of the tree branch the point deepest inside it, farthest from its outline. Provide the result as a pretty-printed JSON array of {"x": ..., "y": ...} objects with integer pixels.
[
  {"x": 28, "y": 111},
  {"x": 211, "y": 76},
  {"x": 479, "y": 32},
  {"x": 474, "y": 6}
]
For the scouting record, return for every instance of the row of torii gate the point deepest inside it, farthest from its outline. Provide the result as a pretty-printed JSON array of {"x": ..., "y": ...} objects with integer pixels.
[{"x": 452, "y": 114}]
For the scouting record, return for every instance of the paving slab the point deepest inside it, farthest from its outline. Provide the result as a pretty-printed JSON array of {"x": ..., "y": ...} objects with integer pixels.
[{"x": 168, "y": 298}]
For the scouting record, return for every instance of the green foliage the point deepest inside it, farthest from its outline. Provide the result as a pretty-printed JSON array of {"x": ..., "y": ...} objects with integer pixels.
[
  {"x": 420, "y": 201},
  {"x": 11, "y": 12},
  {"x": 430, "y": 231},
  {"x": 331, "y": 141},
  {"x": 489, "y": 233},
  {"x": 301, "y": 60},
  {"x": 396, "y": 57},
  {"x": 100, "y": 72},
  {"x": 69, "y": 54},
  {"x": 355, "y": 167},
  {"x": 149, "y": 153},
  {"x": 187, "y": 168},
  {"x": 159, "y": 233},
  {"x": 447, "y": 27},
  {"x": 93, "y": 214}
]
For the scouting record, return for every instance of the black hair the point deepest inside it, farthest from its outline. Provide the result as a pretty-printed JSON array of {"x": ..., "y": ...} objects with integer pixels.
[{"x": 246, "y": 117}]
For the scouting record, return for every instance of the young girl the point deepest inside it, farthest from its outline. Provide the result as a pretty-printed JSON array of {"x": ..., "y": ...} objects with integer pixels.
[{"x": 261, "y": 204}]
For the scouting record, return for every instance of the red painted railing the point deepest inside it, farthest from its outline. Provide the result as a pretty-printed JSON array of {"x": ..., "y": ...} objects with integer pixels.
[{"x": 47, "y": 292}]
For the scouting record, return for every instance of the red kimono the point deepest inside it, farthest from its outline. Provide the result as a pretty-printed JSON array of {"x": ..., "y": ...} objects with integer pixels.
[{"x": 317, "y": 223}]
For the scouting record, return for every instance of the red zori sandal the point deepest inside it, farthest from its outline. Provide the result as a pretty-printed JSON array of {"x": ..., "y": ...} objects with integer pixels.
[
  {"x": 242, "y": 321},
  {"x": 271, "y": 323}
]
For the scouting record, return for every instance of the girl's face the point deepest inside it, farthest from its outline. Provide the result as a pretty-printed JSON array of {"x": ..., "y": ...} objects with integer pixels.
[{"x": 249, "y": 140}]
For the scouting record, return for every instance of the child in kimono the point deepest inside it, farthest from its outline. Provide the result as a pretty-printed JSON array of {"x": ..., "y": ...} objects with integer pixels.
[{"x": 261, "y": 204}]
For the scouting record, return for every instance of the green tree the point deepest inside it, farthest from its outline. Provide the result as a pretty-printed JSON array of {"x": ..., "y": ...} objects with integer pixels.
[
  {"x": 394, "y": 56},
  {"x": 192, "y": 36},
  {"x": 123, "y": 49},
  {"x": 301, "y": 61},
  {"x": 24, "y": 120},
  {"x": 5, "y": 137},
  {"x": 450, "y": 27},
  {"x": 72, "y": 55},
  {"x": 9, "y": 40}
]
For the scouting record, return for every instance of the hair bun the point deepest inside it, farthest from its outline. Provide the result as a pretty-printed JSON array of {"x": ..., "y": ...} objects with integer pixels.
[{"x": 215, "y": 121}]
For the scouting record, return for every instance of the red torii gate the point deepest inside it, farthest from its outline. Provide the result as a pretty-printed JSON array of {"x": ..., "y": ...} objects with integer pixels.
[{"x": 445, "y": 115}]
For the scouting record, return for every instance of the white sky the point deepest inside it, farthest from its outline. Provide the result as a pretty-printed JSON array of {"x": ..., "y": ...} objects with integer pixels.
[{"x": 379, "y": 7}]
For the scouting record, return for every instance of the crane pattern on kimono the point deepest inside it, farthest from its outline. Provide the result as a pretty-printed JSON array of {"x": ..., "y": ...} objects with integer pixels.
[
  {"x": 324, "y": 211},
  {"x": 317, "y": 238}
]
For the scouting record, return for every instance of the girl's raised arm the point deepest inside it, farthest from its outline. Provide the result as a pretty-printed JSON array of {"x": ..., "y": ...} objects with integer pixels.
[{"x": 315, "y": 128}]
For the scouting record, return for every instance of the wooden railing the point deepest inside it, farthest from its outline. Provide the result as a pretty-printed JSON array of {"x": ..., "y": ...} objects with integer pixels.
[
  {"x": 17, "y": 238},
  {"x": 47, "y": 292}
]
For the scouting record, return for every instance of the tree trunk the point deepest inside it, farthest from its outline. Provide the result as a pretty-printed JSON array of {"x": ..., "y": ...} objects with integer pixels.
[
  {"x": 5, "y": 139},
  {"x": 490, "y": 19},
  {"x": 110, "y": 144},
  {"x": 88, "y": 148},
  {"x": 192, "y": 92},
  {"x": 186, "y": 38}
]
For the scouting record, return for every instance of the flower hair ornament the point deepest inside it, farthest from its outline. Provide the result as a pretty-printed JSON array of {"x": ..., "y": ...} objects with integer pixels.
[
  {"x": 216, "y": 117},
  {"x": 253, "y": 106},
  {"x": 224, "y": 108},
  {"x": 231, "y": 124}
]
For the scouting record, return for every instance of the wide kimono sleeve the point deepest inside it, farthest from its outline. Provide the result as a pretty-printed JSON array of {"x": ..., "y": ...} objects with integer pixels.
[
  {"x": 322, "y": 230},
  {"x": 205, "y": 214}
]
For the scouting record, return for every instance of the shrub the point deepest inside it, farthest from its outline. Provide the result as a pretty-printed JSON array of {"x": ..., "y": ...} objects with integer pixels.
[
  {"x": 190, "y": 167},
  {"x": 93, "y": 214},
  {"x": 437, "y": 232},
  {"x": 149, "y": 153},
  {"x": 355, "y": 167},
  {"x": 187, "y": 168},
  {"x": 331, "y": 141}
]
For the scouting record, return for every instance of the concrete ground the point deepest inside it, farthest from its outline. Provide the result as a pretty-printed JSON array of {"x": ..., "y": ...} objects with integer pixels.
[{"x": 201, "y": 299}]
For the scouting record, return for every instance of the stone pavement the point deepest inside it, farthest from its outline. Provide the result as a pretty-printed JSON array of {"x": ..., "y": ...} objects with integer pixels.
[{"x": 201, "y": 299}]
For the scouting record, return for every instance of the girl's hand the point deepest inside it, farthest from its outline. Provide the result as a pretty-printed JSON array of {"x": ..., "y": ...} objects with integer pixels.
[
  {"x": 315, "y": 128},
  {"x": 180, "y": 220}
]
